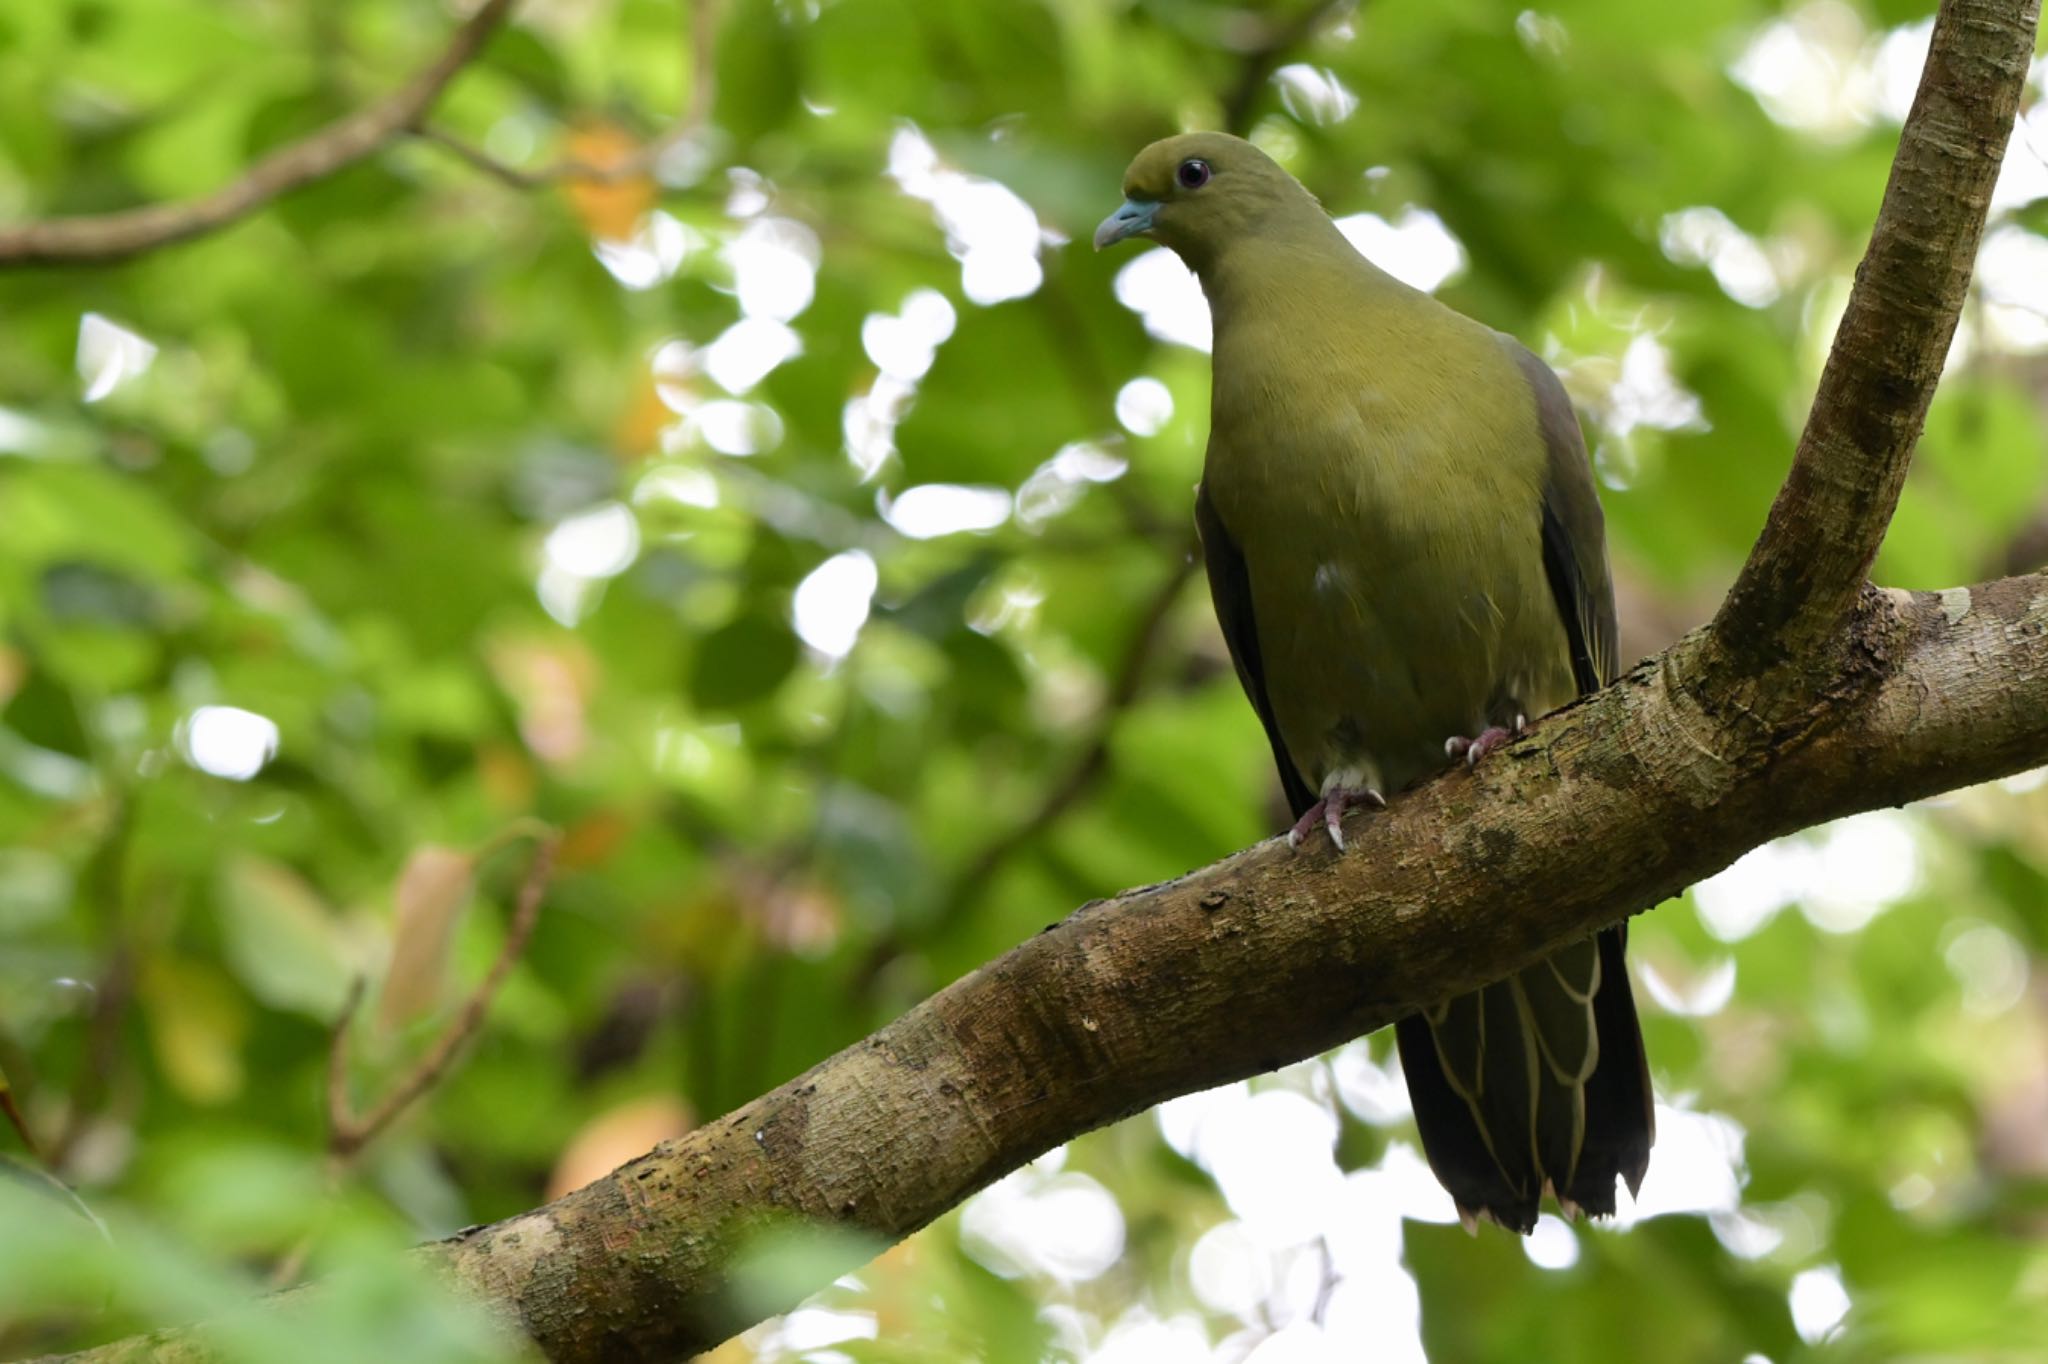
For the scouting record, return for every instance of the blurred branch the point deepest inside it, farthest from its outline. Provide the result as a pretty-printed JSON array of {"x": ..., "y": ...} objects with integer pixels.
[
  {"x": 1079, "y": 778},
  {"x": 110, "y": 1002},
  {"x": 2027, "y": 548},
  {"x": 1265, "y": 57},
  {"x": 15, "y": 1118},
  {"x": 1074, "y": 343},
  {"x": 348, "y": 1133},
  {"x": 112, "y": 236},
  {"x": 702, "y": 72},
  {"x": 106, "y": 890},
  {"x": 1092, "y": 762}
]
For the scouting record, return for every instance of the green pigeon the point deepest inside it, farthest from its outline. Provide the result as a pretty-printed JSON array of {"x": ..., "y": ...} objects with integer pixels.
[{"x": 1407, "y": 558}]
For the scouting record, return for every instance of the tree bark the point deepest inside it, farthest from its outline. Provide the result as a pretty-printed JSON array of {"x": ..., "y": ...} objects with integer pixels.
[
  {"x": 1813, "y": 695},
  {"x": 1801, "y": 579}
]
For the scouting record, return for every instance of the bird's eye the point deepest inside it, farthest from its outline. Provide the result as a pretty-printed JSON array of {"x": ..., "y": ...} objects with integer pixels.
[{"x": 1193, "y": 174}]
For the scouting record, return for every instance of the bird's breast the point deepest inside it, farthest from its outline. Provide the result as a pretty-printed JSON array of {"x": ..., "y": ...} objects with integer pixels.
[{"x": 1395, "y": 568}]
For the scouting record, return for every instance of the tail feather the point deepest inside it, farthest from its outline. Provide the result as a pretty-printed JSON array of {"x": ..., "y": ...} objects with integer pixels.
[
  {"x": 1534, "y": 1084},
  {"x": 1454, "y": 1142},
  {"x": 1620, "y": 1116}
]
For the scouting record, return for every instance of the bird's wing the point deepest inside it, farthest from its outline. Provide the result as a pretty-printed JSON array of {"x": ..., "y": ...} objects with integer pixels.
[
  {"x": 1540, "y": 1079},
  {"x": 1230, "y": 587},
  {"x": 1613, "y": 1118},
  {"x": 1573, "y": 557}
]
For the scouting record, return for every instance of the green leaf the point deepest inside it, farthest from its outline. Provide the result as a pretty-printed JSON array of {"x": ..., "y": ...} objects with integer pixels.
[
  {"x": 758, "y": 63},
  {"x": 742, "y": 661},
  {"x": 285, "y": 944},
  {"x": 973, "y": 424},
  {"x": 521, "y": 54}
]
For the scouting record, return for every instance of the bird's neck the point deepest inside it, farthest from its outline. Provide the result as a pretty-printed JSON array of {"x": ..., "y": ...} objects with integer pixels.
[{"x": 1310, "y": 265}]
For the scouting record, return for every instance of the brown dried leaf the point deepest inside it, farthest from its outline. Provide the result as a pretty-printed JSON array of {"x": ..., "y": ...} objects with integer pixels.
[
  {"x": 433, "y": 889},
  {"x": 13, "y": 672},
  {"x": 595, "y": 839},
  {"x": 638, "y": 432},
  {"x": 609, "y": 209},
  {"x": 551, "y": 680},
  {"x": 616, "y": 1136}
]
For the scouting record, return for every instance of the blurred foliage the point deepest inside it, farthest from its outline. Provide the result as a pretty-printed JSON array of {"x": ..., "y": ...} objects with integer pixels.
[{"x": 335, "y": 545}]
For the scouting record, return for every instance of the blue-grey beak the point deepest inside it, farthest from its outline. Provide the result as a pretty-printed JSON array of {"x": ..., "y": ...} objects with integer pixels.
[{"x": 1134, "y": 218}]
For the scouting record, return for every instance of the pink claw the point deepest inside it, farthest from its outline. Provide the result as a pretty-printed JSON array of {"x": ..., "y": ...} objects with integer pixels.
[
  {"x": 1329, "y": 813},
  {"x": 1496, "y": 736}
]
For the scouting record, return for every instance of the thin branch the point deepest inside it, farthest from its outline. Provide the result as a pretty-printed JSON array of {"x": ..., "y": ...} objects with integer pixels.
[
  {"x": 15, "y": 1119},
  {"x": 340, "y": 1108},
  {"x": 703, "y": 63},
  {"x": 702, "y": 70},
  {"x": 112, "y": 236},
  {"x": 638, "y": 162},
  {"x": 349, "y": 1133},
  {"x": 1829, "y": 518},
  {"x": 1263, "y": 60},
  {"x": 115, "y": 991},
  {"x": 1328, "y": 1281},
  {"x": 2026, "y": 549},
  {"x": 505, "y": 171},
  {"x": 1092, "y": 762},
  {"x": 1074, "y": 783},
  {"x": 105, "y": 888}
]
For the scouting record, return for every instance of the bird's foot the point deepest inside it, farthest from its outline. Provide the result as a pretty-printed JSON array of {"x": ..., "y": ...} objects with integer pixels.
[
  {"x": 1329, "y": 813},
  {"x": 1487, "y": 740}
]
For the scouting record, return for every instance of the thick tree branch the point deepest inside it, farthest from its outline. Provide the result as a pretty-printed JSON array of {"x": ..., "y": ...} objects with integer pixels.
[
  {"x": 112, "y": 236},
  {"x": 1831, "y": 515}
]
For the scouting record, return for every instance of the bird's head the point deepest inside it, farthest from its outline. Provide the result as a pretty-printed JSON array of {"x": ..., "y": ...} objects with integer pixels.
[{"x": 1198, "y": 192}]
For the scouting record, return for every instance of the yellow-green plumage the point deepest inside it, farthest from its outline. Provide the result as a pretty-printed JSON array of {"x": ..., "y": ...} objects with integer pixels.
[
  {"x": 1348, "y": 459},
  {"x": 1404, "y": 546}
]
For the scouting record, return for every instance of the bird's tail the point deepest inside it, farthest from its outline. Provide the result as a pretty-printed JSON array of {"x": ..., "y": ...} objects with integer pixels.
[{"x": 1535, "y": 1083}]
